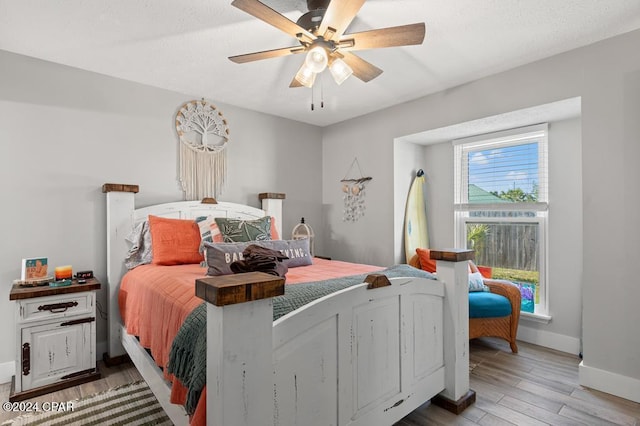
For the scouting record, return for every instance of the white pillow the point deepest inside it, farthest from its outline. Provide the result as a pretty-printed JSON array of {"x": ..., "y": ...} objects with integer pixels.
[
  {"x": 475, "y": 282},
  {"x": 140, "y": 252}
]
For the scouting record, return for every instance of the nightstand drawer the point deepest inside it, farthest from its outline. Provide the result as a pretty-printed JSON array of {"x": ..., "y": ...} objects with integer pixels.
[{"x": 58, "y": 306}]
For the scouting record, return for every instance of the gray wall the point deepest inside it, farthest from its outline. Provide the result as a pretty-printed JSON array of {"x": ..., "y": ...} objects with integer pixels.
[
  {"x": 408, "y": 158},
  {"x": 370, "y": 239},
  {"x": 64, "y": 132},
  {"x": 606, "y": 75}
]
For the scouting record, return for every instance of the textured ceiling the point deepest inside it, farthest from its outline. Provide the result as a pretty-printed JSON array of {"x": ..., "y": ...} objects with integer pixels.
[{"x": 183, "y": 46}]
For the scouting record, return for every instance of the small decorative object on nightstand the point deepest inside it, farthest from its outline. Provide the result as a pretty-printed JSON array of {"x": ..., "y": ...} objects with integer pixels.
[
  {"x": 302, "y": 230},
  {"x": 55, "y": 337}
]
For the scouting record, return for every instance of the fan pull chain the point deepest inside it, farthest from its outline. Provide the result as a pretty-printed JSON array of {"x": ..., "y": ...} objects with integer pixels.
[
  {"x": 321, "y": 94},
  {"x": 321, "y": 90}
]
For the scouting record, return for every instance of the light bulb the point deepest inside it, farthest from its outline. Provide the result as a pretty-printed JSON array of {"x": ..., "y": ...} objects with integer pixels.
[
  {"x": 306, "y": 76},
  {"x": 340, "y": 70},
  {"x": 317, "y": 59}
]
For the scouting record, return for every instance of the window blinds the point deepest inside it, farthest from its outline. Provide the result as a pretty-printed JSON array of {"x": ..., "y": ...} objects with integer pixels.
[{"x": 502, "y": 171}]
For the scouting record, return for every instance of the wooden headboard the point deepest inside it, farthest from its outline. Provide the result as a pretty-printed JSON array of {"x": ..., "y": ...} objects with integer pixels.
[{"x": 122, "y": 217}]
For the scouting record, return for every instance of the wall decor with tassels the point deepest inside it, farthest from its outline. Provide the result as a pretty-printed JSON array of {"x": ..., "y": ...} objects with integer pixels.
[
  {"x": 354, "y": 192},
  {"x": 203, "y": 135}
]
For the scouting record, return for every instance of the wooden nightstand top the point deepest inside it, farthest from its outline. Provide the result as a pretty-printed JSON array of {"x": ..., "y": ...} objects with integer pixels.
[{"x": 20, "y": 292}]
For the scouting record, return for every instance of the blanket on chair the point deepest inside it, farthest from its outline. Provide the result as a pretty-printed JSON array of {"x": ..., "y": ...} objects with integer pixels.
[{"x": 187, "y": 359}]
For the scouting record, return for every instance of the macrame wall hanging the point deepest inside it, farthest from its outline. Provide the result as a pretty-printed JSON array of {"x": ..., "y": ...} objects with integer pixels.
[
  {"x": 354, "y": 191},
  {"x": 203, "y": 134}
]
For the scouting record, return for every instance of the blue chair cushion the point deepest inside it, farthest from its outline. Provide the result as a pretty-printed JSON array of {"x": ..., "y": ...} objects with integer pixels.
[{"x": 483, "y": 304}]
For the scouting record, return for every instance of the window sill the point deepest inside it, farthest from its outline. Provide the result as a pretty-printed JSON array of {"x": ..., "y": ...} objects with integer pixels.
[{"x": 540, "y": 318}]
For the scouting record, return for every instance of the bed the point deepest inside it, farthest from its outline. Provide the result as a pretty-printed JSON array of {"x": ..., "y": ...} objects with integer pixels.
[{"x": 366, "y": 355}]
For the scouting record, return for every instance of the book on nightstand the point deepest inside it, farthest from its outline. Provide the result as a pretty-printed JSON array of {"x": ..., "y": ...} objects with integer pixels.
[{"x": 34, "y": 268}]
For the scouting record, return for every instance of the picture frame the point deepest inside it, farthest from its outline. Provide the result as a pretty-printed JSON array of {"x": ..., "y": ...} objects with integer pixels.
[{"x": 34, "y": 268}]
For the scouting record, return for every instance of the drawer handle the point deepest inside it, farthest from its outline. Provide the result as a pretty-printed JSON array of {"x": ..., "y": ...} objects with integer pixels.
[
  {"x": 56, "y": 308},
  {"x": 26, "y": 359},
  {"x": 78, "y": 321}
]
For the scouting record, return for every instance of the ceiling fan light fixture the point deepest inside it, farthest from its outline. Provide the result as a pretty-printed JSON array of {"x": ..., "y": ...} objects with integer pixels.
[
  {"x": 340, "y": 71},
  {"x": 306, "y": 76},
  {"x": 317, "y": 59},
  {"x": 321, "y": 34}
]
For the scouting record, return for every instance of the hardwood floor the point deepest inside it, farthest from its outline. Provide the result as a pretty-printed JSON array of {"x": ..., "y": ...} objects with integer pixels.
[{"x": 537, "y": 386}]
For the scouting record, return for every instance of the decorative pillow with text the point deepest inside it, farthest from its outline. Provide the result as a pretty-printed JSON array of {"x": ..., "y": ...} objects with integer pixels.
[{"x": 221, "y": 255}]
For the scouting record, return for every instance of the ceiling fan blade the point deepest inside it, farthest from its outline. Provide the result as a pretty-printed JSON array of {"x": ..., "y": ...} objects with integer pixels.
[
  {"x": 361, "y": 68},
  {"x": 338, "y": 16},
  {"x": 271, "y": 17},
  {"x": 266, "y": 54},
  {"x": 403, "y": 35},
  {"x": 295, "y": 83}
]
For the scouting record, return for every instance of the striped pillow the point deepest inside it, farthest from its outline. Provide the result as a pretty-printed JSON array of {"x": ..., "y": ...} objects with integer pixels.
[{"x": 209, "y": 231}]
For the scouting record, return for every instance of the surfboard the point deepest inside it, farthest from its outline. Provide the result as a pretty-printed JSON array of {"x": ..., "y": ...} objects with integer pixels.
[{"x": 415, "y": 219}]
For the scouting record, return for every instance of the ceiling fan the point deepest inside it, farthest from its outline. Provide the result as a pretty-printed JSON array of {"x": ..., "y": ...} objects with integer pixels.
[{"x": 320, "y": 33}]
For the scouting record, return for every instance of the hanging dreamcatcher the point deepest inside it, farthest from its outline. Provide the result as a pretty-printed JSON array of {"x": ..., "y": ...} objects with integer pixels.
[
  {"x": 203, "y": 134},
  {"x": 354, "y": 192}
]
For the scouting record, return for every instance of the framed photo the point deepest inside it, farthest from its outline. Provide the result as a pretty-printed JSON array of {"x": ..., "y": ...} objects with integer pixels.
[{"x": 34, "y": 268}]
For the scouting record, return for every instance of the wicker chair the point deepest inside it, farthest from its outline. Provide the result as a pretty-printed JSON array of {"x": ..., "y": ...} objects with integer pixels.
[{"x": 502, "y": 327}]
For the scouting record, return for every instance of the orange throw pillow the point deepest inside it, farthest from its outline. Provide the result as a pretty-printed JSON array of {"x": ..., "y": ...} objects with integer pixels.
[
  {"x": 486, "y": 271},
  {"x": 274, "y": 231},
  {"x": 174, "y": 241},
  {"x": 426, "y": 263}
]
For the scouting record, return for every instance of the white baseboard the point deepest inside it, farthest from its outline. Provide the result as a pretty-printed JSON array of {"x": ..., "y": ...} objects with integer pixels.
[
  {"x": 612, "y": 383},
  {"x": 559, "y": 342},
  {"x": 7, "y": 370}
]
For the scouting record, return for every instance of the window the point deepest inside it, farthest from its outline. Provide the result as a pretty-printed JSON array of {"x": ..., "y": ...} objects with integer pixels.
[{"x": 501, "y": 207}]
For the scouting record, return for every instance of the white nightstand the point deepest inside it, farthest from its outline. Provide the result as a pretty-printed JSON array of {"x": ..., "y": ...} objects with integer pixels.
[{"x": 55, "y": 338}]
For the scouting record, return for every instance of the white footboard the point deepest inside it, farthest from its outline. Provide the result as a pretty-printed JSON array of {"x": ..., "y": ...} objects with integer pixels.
[
  {"x": 384, "y": 347},
  {"x": 367, "y": 355}
]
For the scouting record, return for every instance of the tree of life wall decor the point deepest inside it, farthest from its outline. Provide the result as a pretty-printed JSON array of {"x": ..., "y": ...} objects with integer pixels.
[
  {"x": 354, "y": 192},
  {"x": 203, "y": 134}
]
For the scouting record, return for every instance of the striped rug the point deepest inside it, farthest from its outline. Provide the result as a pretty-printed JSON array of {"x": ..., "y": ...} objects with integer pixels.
[{"x": 131, "y": 404}]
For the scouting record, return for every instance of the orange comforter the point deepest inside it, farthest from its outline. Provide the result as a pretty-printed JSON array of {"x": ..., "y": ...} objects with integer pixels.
[{"x": 155, "y": 300}]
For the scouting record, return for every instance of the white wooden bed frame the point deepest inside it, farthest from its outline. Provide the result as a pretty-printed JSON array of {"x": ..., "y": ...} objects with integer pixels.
[{"x": 356, "y": 357}]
